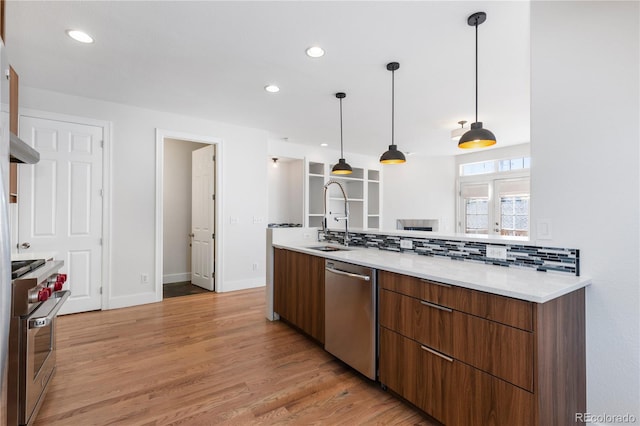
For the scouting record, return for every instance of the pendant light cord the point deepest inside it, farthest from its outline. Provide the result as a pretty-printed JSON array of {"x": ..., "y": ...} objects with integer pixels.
[
  {"x": 341, "y": 151},
  {"x": 393, "y": 97},
  {"x": 476, "y": 70}
]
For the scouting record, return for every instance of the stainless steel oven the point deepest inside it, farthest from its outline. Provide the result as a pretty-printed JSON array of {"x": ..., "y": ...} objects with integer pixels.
[{"x": 37, "y": 296}]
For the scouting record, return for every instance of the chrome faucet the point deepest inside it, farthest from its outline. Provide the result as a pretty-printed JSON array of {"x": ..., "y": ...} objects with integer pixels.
[{"x": 346, "y": 211}]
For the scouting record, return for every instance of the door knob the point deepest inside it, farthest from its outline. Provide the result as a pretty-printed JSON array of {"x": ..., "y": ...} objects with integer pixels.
[{"x": 25, "y": 245}]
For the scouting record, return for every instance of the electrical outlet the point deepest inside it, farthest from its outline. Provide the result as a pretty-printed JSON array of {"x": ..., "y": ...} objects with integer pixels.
[
  {"x": 497, "y": 252},
  {"x": 406, "y": 244},
  {"x": 144, "y": 278},
  {"x": 255, "y": 266}
]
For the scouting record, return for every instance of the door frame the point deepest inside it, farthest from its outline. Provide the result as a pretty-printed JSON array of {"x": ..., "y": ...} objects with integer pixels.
[
  {"x": 107, "y": 131},
  {"x": 161, "y": 134}
]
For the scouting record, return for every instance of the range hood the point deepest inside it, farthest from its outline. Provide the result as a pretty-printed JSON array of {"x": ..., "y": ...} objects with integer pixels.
[{"x": 20, "y": 152}]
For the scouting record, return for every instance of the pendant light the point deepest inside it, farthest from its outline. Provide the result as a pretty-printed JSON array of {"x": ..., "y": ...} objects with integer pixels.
[
  {"x": 392, "y": 156},
  {"x": 477, "y": 137},
  {"x": 342, "y": 168}
]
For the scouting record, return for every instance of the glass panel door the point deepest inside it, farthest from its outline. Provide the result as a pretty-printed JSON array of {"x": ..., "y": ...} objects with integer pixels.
[
  {"x": 474, "y": 208},
  {"x": 512, "y": 207}
]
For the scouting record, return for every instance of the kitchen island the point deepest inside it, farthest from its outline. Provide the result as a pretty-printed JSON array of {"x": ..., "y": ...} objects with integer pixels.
[{"x": 466, "y": 342}]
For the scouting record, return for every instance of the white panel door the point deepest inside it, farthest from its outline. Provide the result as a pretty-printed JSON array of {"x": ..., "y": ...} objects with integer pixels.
[
  {"x": 202, "y": 217},
  {"x": 60, "y": 204}
]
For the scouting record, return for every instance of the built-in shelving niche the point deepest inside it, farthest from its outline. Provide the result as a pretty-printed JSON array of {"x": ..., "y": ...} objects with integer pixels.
[{"x": 362, "y": 188}]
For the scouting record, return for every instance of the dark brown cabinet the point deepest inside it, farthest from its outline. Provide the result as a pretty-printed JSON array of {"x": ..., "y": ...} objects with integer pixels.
[
  {"x": 2, "y": 20},
  {"x": 420, "y": 376},
  {"x": 469, "y": 358},
  {"x": 298, "y": 291}
]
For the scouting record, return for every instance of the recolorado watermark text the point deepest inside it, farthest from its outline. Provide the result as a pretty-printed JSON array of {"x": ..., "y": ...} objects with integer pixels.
[{"x": 605, "y": 418}]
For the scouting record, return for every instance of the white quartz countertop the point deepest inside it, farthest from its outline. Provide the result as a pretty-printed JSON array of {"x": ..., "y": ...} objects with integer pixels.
[{"x": 519, "y": 283}]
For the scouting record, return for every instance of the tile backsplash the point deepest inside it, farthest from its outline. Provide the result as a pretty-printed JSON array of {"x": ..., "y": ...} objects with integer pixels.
[{"x": 566, "y": 260}]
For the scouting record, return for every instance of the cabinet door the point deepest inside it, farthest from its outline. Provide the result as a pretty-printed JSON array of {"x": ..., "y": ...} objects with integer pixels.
[
  {"x": 498, "y": 349},
  {"x": 308, "y": 272},
  {"x": 431, "y": 291},
  {"x": 298, "y": 290},
  {"x": 420, "y": 376},
  {"x": 428, "y": 323},
  {"x": 284, "y": 294},
  {"x": 479, "y": 399}
]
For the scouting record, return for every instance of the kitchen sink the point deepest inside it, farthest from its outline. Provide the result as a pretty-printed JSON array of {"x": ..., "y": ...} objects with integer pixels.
[{"x": 327, "y": 248}]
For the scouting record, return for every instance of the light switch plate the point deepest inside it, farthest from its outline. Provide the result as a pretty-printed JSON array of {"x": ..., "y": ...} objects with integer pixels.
[
  {"x": 497, "y": 252},
  {"x": 406, "y": 244},
  {"x": 543, "y": 229}
]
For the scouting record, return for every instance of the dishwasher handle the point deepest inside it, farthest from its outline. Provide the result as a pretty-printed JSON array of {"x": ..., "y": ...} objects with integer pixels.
[{"x": 348, "y": 274}]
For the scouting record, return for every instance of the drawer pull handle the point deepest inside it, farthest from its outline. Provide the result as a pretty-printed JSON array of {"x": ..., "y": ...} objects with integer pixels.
[
  {"x": 436, "y": 283},
  {"x": 446, "y": 358},
  {"x": 433, "y": 305}
]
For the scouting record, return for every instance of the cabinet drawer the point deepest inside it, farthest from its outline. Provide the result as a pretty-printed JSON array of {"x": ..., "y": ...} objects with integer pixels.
[
  {"x": 441, "y": 294},
  {"x": 479, "y": 399},
  {"x": 419, "y": 376},
  {"x": 425, "y": 322},
  {"x": 506, "y": 310},
  {"x": 500, "y": 350}
]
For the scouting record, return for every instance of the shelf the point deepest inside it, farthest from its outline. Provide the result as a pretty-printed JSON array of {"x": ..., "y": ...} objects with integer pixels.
[
  {"x": 357, "y": 200},
  {"x": 334, "y": 177},
  {"x": 360, "y": 187}
]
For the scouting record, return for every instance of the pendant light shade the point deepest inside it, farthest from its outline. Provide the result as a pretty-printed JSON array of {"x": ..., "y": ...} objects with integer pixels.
[
  {"x": 342, "y": 168},
  {"x": 477, "y": 137},
  {"x": 393, "y": 156}
]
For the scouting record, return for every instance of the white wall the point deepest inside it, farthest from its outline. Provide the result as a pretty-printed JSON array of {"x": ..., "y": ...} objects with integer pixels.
[
  {"x": 280, "y": 148},
  {"x": 177, "y": 210},
  {"x": 286, "y": 191},
  {"x": 133, "y": 184},
  {"x": 421, "y": 188},
  {"x": 584, "y": 146}
]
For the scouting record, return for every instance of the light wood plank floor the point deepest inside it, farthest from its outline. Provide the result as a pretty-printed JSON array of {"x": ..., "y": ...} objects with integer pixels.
[{"x": 203, "y": 360}]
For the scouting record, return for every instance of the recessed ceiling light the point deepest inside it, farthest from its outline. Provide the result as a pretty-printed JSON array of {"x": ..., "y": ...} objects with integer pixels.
[
  {"x": 272, "y": 88},
  {"x": 324, "y": 144},
  {"x": 80, "y": 36},
  {"x": 315, "y": 52}
]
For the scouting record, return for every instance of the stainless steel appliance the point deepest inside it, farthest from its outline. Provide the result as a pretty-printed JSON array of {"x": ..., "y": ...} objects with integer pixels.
[
  {"x": 36, "y": 297},
  {"x": 350, "y": 315}
]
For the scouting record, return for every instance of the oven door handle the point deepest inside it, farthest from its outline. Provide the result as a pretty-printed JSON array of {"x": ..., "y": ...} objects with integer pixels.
[{"x": 44, "y": 321}]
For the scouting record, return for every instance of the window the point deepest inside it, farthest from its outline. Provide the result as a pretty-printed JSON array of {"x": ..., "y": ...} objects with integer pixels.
[
  {"x": 494, "y": 197},
  {"x": 477, "y": 168},
  {"x": 477, "y": 215}
]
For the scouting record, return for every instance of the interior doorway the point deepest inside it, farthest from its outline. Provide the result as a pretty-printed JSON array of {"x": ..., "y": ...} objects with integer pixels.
[{"x": 186, "y": 206}]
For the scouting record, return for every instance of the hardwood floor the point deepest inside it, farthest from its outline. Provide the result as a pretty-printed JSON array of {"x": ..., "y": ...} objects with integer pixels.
[{"x": 202, "y": 360}]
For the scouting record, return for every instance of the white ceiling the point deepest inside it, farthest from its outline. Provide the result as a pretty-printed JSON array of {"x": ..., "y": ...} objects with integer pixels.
[{"x": 212, "y": 60}]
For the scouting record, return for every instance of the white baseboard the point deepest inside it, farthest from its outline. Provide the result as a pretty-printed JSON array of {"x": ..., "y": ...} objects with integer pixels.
[
  {"x": 176, "y": 278},
  {"x": 131, "y": 300},
  {"x": 239, "y": 285}
]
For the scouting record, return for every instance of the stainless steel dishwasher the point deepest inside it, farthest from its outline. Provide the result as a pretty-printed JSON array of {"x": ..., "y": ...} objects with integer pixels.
[{"x": 350, "y": 315}]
